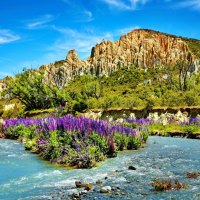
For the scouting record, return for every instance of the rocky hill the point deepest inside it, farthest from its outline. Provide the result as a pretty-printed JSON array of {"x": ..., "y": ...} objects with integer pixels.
[{"x": 143, "y": 48}]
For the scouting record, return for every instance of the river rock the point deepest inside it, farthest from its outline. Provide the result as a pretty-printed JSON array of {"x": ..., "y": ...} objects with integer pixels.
[
  {"x": 105, "y": 189},
  {"x": 75, "y": 196},
  {"x": 131, "y": 168},
  {"x": 79, "y": 184},
  {"x": 84, "y": 192},
  {"x": 98, "y": 182},
  {"x": 88, "y": 186}
]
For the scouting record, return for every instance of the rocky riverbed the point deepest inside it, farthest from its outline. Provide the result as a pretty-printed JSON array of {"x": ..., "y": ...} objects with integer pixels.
[{"x": 24, "y": 176}]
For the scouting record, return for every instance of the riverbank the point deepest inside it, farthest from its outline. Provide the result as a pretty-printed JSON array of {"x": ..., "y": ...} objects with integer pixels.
[{"x": 195, "y": 135}]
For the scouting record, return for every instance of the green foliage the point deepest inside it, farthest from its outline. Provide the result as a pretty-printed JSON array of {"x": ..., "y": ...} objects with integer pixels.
[
  {"x": 80, "y": 106},
  {"x": 121, "y": 141},
  {"x": 22, "y": 132},
  {"x": 172, "y": 128},
  {"x": 30, "y": 89},
  {"x": 145, "y": 135},
  {"x": 99, "y": 141},
  {"x": 129, "y": 87},
  {"x": 72, "y": 148},
  {"x": 54, "y": 138},
  {"x": 194, "y": 46},
  {"x": 30, "y": 145},
  {"x": 133, "y": 142},
  {"x": 191, "y": 128}
]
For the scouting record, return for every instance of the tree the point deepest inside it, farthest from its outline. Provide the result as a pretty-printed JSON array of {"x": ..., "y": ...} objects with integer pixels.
[
  {"x": 33, "y": 91},
  {"x": 183, "y": 74}
]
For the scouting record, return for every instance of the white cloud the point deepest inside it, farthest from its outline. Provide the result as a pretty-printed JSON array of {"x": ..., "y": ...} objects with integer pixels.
[
  {"x": 125, "y": 5},
  {"x": 82, "y": 41},
  {"x": 190, "y": 3},
  {"x": 77, "y": 12},
  {"x": 40, "y": 22},
  {"x": 6, "y": 36},
  {"x": 125, "y": 30},
  {"x": 82, "y": 16}
]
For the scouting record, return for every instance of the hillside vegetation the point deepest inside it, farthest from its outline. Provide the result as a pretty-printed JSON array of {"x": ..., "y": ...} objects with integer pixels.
[
  {"x": 129, "y": 87},
  {"x": 194, "y": 46}
]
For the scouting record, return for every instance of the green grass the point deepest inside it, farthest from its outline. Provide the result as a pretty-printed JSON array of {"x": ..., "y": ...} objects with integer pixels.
[{"x": 173, "y": 128}]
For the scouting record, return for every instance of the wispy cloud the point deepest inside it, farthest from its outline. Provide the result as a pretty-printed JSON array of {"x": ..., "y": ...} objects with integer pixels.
[
  {"x": 40, "y": 22},
  {"x": 82, "y": 41},
  {"x": 77, "y": 12},
  {"x": 125, "y": 30},
  {"x": 190, "y": 3},
  {"x": 7, "y": 36},
  {"x": 125, "y": 5},
  {"x": 81, "y": 16},
  {"x": 3, "y": 74}
]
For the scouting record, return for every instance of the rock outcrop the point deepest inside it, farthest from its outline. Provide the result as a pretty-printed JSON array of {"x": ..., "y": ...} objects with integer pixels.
[{"x": 143, "y": 48}]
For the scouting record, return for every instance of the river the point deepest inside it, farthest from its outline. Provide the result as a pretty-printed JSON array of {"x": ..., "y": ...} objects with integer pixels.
[{"x": 24, "y": 176}]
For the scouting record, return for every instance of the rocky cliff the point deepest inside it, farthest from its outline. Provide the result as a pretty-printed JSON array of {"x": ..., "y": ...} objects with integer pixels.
[{"x": 143, "y": 48}]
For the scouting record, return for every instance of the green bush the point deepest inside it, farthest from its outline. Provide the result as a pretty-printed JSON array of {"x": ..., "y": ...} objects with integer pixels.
[
  {"x": 101, "y": 142},
  {"x": 121, "y": 141},
  {"x": 191, "y": 128},
  {"x": 133, "y": 142},
  {"x": 145, "y": 135}
]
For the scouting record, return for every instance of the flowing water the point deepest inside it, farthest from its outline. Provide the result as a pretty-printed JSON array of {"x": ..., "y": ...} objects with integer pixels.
[{"x": 24, "y": 176}]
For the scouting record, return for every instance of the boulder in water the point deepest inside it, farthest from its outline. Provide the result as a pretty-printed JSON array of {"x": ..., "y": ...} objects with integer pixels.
[
  {"x": 88, "y": 186},
  {"x": 105, "y": 189},
  {"x": 79, "y": 184},
  {"x": 131, "y": 168}
]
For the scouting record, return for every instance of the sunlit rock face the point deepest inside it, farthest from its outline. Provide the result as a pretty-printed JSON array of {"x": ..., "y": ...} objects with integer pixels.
[{"x": 143, "y": 48}]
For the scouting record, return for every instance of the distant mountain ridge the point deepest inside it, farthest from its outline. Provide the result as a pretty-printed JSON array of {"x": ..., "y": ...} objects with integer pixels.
[{"x": 141, "y": 47}]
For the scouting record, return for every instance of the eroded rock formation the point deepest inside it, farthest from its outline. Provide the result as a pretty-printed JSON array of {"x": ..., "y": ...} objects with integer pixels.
[{"x": 143, "y": 48}]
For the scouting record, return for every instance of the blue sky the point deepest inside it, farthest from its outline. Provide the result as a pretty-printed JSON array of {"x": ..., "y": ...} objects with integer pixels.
[{"x": 36, "y": 32}]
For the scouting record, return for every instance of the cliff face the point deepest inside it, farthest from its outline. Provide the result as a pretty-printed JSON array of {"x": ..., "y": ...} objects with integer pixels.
[{"x": 143, "y": 48}]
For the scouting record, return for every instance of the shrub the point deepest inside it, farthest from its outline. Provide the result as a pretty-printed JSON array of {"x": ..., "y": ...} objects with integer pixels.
[
  {"x": 191, "y": 128},
  {"x": 121, "y": 141},
  {"x": 145, "y": 135},
  {"x": 133, "y": 142}
]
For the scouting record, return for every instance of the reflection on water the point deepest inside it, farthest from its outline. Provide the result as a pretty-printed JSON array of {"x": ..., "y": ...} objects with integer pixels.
[{"x": 24, "y": 176}]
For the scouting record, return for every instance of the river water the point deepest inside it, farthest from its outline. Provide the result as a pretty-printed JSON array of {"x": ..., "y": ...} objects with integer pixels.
[{"x": 24, "y": 176}]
